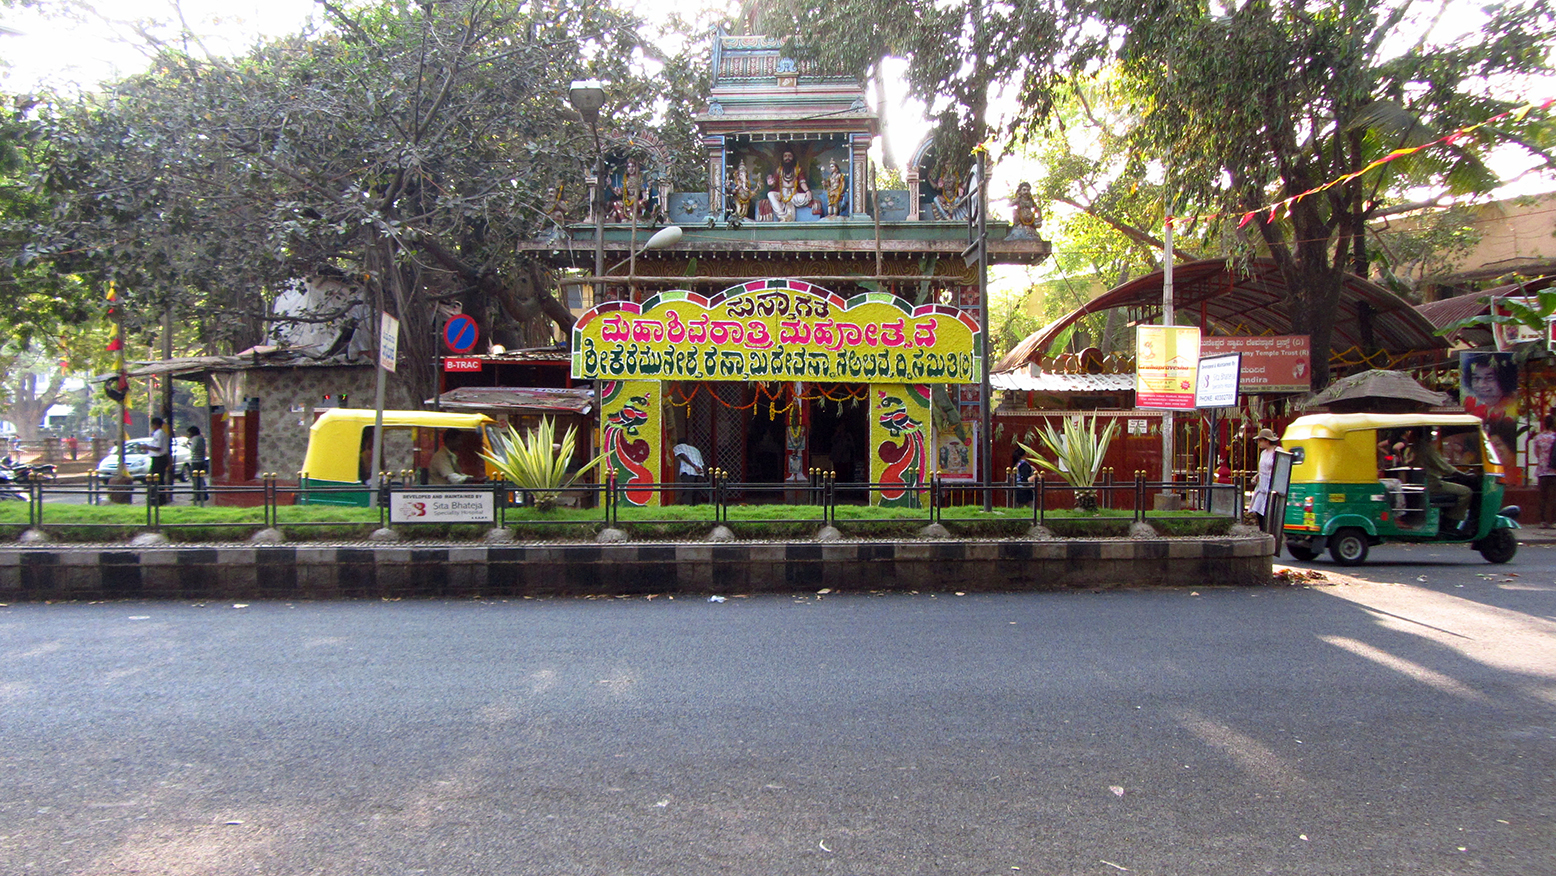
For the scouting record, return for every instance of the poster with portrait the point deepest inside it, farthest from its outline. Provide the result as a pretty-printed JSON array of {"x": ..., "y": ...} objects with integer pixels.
[
  {"x": 956, "y": 452},
  {"x": 1488, "y": 386}
]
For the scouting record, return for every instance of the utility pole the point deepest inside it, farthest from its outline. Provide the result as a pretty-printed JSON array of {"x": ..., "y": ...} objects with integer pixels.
[
  {"x": 980, "y": 169},
  {"x": 1167, "y": 320}
]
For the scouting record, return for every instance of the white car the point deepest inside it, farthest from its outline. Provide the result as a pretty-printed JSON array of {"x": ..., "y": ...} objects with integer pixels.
[{"x": 137, "y": 460}]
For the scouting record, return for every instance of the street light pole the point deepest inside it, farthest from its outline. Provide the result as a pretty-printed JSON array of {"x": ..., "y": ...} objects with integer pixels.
[{"x": 587, "y": 97}]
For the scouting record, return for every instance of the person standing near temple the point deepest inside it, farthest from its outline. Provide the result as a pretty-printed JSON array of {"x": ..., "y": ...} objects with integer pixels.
[
  {"x": 1540, "y": 449},
  {"x": 1259, "y": 503},
  {"x": 160, "y": 453},
  {"x": 199, "y": 463}
]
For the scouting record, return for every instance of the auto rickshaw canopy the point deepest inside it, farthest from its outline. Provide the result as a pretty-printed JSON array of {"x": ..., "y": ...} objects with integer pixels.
[
  {"x": 335, "y": 439},
  {"x": 1342, "y": 448}
]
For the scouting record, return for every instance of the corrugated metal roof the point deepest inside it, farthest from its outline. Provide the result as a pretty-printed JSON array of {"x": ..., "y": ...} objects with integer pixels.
[
  {"x": 518, "y": 399},
  {"x": 1023, "y": 380}
]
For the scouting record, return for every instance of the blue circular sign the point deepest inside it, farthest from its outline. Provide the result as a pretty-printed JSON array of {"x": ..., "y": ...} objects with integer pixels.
[{"x": 460, "y": 334}]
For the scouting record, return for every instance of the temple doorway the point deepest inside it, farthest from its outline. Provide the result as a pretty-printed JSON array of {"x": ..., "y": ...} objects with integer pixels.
[{"x": 839, "y": 432}]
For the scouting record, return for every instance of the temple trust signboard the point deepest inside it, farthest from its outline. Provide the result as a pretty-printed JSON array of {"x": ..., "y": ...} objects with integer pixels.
[
  {"x": 777, "y": 330},
  {"x": 1271, "y": 363},
  {"x": 1166, "y": 359}
]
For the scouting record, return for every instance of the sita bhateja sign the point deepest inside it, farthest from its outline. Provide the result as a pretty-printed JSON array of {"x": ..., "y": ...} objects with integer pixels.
[{"x": 777, "y": 330}]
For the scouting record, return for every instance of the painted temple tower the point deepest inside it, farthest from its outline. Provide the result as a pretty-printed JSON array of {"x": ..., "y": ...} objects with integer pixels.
[{"x": 805, "y": 321}]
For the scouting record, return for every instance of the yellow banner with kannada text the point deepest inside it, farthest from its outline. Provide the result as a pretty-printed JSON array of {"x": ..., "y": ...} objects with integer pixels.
[{"x": 777, "y": 330}]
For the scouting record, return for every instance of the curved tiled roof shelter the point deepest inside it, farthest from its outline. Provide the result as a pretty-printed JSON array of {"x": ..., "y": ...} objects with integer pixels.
[{"x": 1251, "y": 300}]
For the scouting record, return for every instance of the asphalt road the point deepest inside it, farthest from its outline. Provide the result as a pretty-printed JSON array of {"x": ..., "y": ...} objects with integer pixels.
[{"x": 1340, "y": 728}]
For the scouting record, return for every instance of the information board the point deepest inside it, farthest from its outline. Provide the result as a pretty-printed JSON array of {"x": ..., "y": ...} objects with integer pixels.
[{"x": 442, "y": 506}]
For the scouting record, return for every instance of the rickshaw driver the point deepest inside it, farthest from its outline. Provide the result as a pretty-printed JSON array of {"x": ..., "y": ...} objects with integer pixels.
[{"x": 1438, "y": 470}]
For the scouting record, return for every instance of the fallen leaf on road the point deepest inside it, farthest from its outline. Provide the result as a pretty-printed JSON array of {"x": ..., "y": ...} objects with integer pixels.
[{"x": 1117, "y": 791}]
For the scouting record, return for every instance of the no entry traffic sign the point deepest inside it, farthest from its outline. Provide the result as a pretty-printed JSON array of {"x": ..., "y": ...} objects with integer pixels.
[{"x": 460, "y": 334}]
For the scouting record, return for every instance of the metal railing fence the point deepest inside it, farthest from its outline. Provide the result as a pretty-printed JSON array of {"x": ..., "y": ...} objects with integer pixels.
[{"x": 814, "y": 500}]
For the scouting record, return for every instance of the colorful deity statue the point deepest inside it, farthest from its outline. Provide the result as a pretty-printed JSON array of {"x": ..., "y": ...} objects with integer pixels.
[
  {"x": 787, "y": 188},
  {"x": 740, "y": 193},
  {"x": 557, "y": 209},
  {"x": 837, "y": 189},
  {"x": 631, "y": 194},
  {"x": 1026, "y": 218},
  {"x": 948, "y": 190}
]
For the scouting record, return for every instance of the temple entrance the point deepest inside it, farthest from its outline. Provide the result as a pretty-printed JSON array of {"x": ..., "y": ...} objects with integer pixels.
[
  {"x": 769, "y": 381},
  {"x": 840, "y": 435}
]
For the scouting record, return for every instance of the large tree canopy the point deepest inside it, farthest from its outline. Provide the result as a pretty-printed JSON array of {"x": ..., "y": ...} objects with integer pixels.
[
  {"x": 407, "y": 147},
  {"x": 1231, "y": 107}
]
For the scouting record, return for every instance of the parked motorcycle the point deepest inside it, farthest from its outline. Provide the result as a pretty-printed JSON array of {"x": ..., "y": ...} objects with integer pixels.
[
  {"x": 22, "y": 473},
  {"x": 10, "y": 490}
]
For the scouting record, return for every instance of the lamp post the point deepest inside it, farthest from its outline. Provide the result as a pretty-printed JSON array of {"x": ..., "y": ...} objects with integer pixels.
[
  {"x": 666, "y": 237},
  {"x": 587, "y": 96}
]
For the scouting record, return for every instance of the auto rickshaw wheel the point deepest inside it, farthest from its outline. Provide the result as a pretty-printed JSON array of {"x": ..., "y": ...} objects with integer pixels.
[
  {"x": 1300, "y": 552},
  {"x": 1498, "y": 546},
  {"x": 1348, "y": 547}
]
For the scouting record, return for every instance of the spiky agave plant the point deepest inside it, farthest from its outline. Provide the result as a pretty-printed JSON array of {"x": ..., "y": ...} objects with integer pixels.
[
  {"x": 1077, "y": 453},
  {"x": 537, "y": 462}
]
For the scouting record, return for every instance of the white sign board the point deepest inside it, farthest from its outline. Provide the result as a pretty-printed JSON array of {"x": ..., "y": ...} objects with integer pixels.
[
  {"x": 1216, "y": 384},
  {"x": 440, "y": 506},
  {"x": 388, "y": 342}
]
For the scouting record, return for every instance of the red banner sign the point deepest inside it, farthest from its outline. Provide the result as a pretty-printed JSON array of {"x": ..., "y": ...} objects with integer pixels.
[{"x": 453, "y": 364}]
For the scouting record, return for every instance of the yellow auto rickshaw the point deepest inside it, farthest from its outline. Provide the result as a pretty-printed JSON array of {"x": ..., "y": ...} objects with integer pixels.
[
  {"x": 1363, "y": 479},
  {"x": 340, "y": 444}
]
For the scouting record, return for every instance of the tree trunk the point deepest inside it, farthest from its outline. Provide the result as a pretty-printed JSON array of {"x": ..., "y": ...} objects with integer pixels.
[{"x": 29, "y": 403}]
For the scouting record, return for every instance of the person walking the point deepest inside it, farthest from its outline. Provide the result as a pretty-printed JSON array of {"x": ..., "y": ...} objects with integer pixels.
[
  {"x": 72, "y": 444},
  {"x": 1259, "y": 503},
  {"x": 1540, "y": 449},
  {"x": 199, "y": 464}
]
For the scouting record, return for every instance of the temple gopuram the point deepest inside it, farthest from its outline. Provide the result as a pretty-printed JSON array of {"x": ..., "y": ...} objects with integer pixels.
[{"x": 803, "y": 319}]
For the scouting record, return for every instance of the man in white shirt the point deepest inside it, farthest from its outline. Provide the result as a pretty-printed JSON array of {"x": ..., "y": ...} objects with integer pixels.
[
  {"x": 161, "y": 448},
  {"x": 689, "y": 471},
  {"x": 444, "y": 467}
]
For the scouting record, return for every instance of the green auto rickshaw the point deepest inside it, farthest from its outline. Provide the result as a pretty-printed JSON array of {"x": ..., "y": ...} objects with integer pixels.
[{"x": 1363, "y": 479}]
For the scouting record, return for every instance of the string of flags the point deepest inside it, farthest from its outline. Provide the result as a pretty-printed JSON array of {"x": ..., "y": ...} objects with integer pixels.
[
  {"x": 1274, "y": 209},
  {"x": 119, "y": 384}
]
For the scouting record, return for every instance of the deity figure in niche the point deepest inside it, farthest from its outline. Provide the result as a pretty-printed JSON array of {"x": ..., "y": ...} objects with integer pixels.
[
  {"x": 630, "y": 193},
  {"x": 787, "y": 188},
  {"x": 948, "y": 190},
  {"x": 557, "y": 209},
  {"x": 837, "y": 189},
  {"x": 740, "y": 193},
  {"x": 1026, "y": 219}
]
